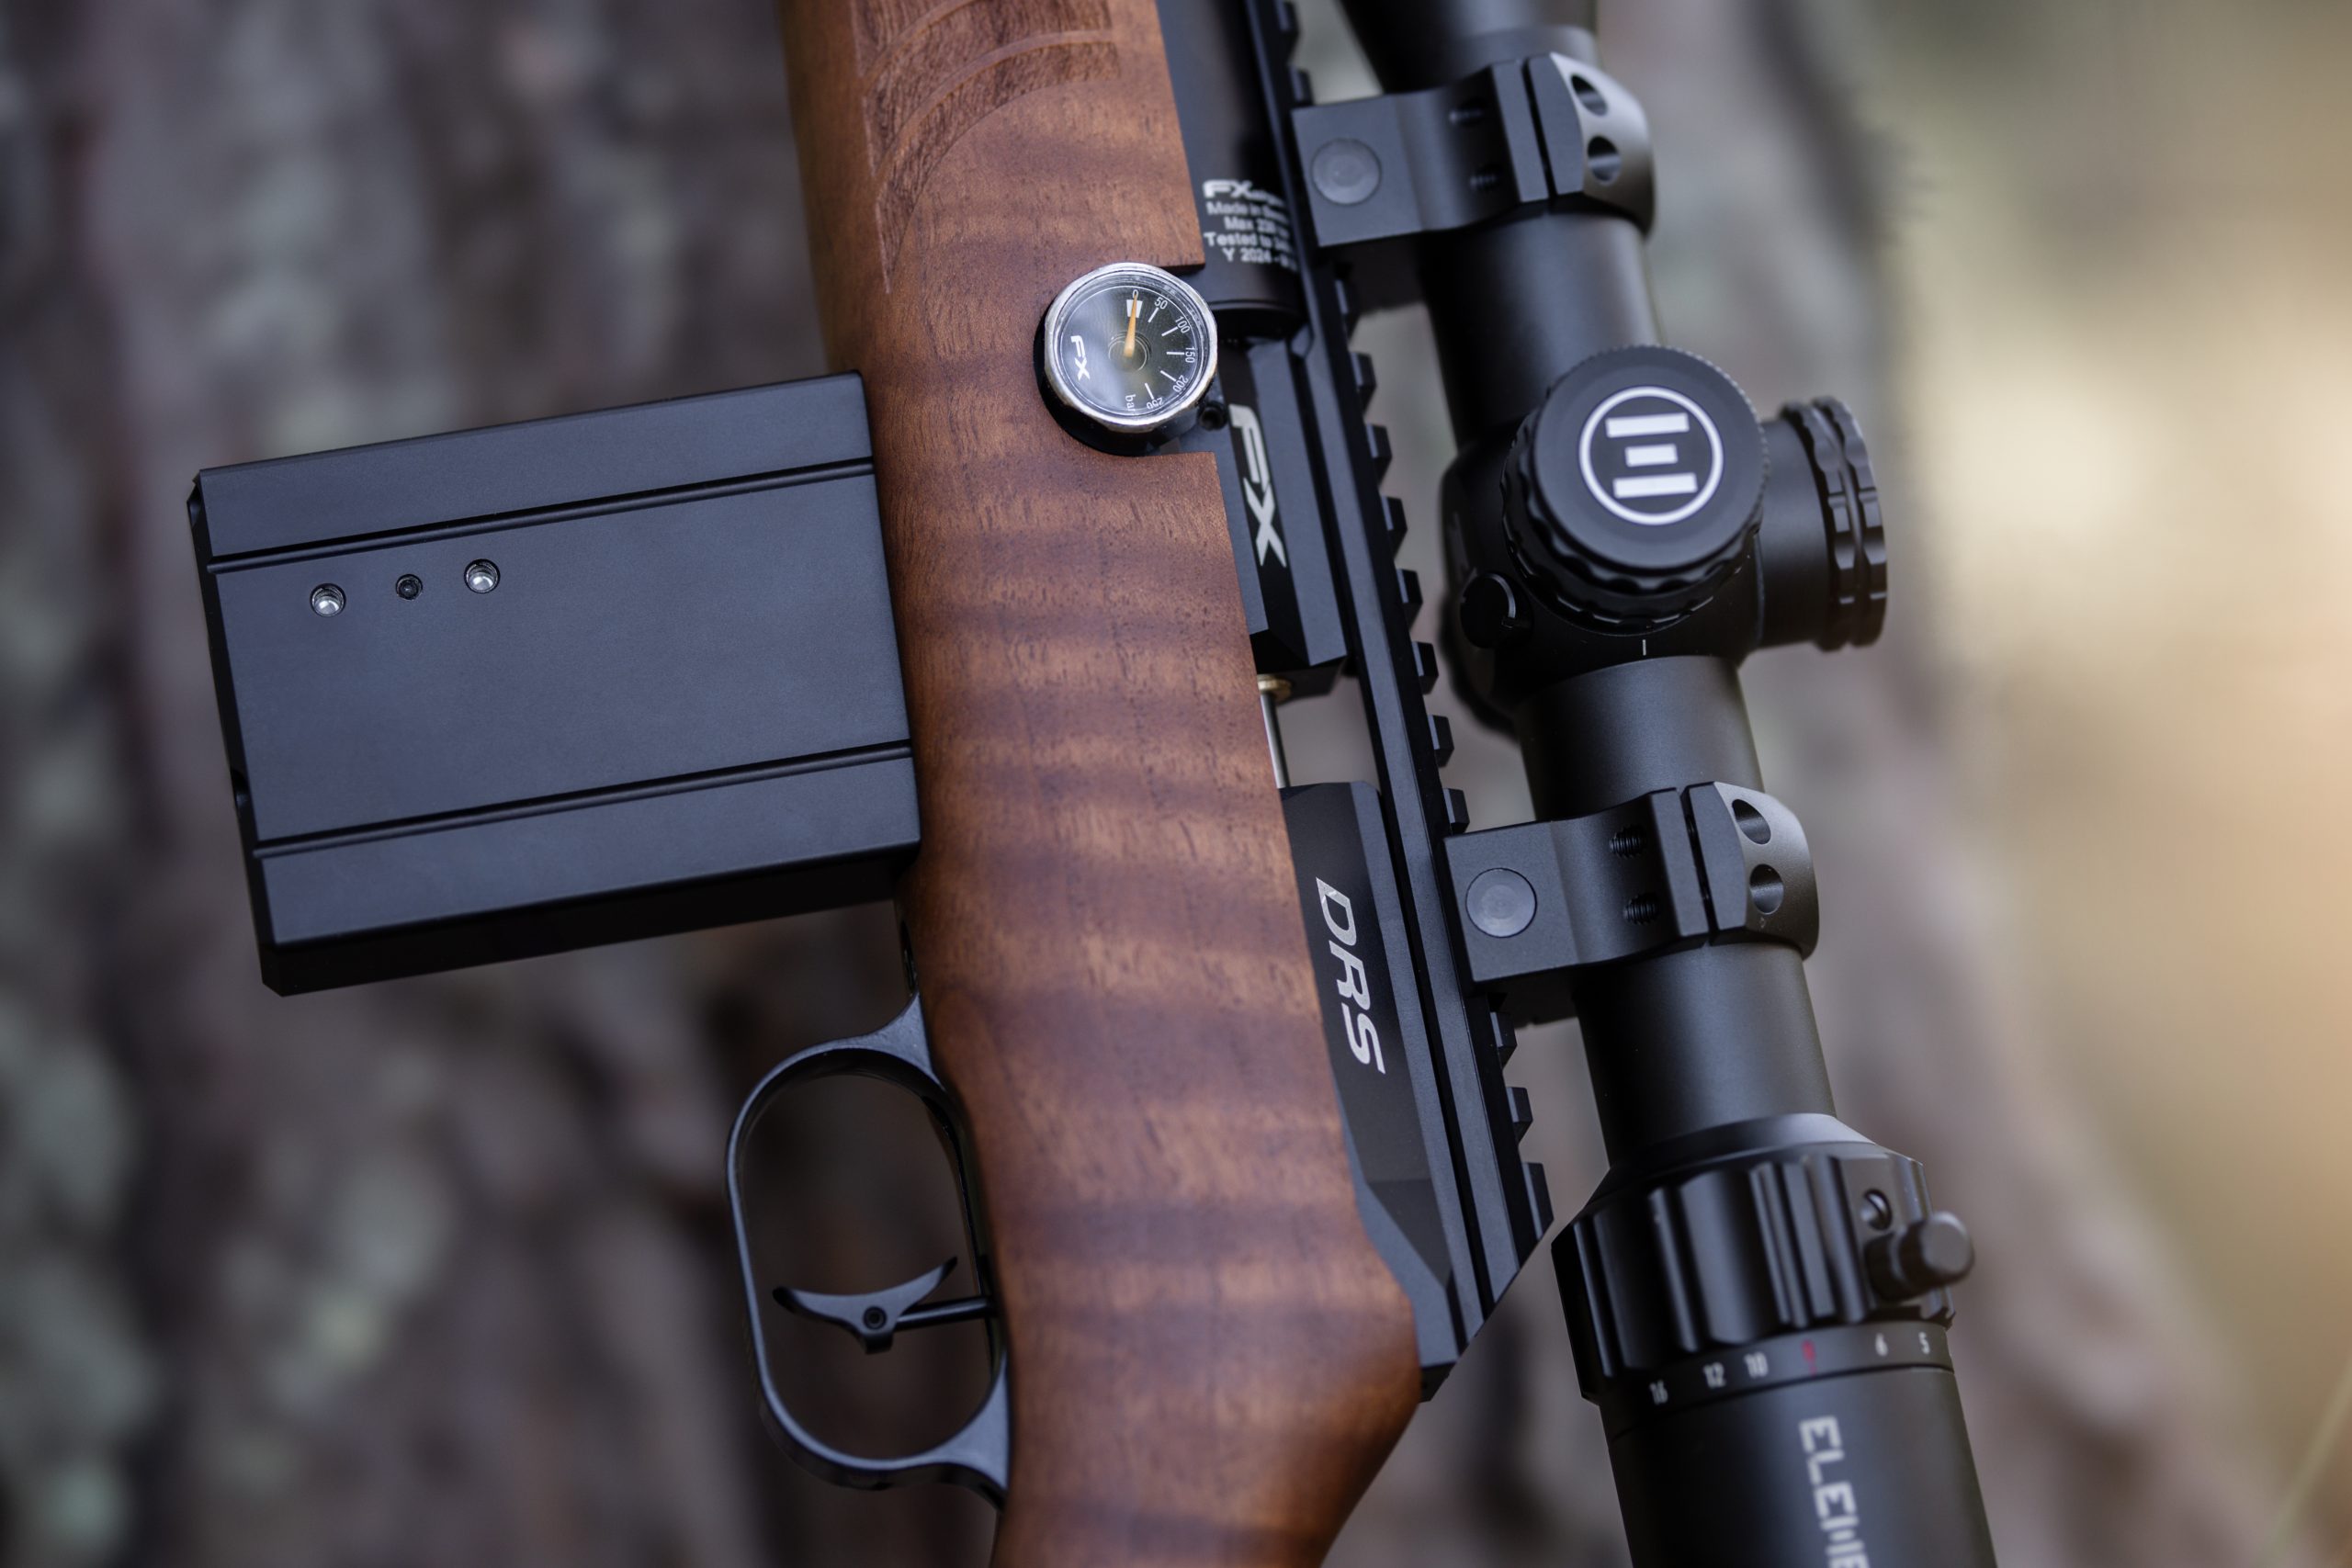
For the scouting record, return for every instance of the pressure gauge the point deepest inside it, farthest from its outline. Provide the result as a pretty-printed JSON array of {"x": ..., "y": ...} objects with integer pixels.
[{"x": 1129, "y": 350}]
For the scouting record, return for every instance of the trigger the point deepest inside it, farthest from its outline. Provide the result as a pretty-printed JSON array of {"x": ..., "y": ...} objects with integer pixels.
[{"x": 876, "y": 1316}]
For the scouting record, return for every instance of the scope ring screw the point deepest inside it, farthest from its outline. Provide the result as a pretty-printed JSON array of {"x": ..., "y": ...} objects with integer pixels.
[{"x": 1501, "y": 902}]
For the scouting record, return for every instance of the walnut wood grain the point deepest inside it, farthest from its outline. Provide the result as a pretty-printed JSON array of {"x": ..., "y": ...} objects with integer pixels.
[{"x": 1209, "y": 1360}]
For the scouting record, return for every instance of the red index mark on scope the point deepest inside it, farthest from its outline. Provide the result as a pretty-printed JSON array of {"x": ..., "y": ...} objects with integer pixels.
[{"x": 1809, "y": 1368}]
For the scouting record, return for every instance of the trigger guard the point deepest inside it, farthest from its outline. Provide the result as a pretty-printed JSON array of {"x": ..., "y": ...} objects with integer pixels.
[{"x": 978, "y": 1456}]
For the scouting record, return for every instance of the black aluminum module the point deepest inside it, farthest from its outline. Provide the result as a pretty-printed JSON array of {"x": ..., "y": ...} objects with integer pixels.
[{"x": 517, "y": 690}]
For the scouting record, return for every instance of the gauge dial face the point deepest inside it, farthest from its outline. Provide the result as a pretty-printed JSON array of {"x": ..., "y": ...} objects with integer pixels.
[{"x": 1131, "y": 347}]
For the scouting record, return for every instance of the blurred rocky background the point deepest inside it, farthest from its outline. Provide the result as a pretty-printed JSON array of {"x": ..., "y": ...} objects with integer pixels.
[{"x": 438, "y": 1272}]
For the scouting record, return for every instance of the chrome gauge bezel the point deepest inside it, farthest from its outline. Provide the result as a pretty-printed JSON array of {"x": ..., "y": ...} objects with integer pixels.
[{"x": 1188, "y": 300}]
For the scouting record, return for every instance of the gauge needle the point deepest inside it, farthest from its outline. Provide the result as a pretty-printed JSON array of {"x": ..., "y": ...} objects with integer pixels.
[{"x": 1135, "y": 304}]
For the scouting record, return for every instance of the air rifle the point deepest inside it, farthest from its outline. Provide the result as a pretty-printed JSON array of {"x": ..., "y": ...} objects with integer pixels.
[{"x": 998, "y": 621}]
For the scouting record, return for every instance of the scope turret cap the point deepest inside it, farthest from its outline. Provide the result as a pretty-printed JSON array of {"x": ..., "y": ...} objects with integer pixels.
[{"x": 1635, "y": 486}]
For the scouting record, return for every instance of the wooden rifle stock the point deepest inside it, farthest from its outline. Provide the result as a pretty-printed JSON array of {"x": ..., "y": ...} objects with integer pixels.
[{"x": 1208, "y": 1357}]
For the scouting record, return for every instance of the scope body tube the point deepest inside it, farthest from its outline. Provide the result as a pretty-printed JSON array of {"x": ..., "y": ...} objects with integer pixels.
[
  {"x": 1512, "y": 304},
  {"x": 1735, "y": 1439},
  {"x": 1516, "y": 304},
  {"x": 1698, "y": 1037}
]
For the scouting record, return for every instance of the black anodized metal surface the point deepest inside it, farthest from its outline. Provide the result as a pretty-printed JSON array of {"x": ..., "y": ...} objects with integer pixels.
[
  {"x": 1872, "y": 1467},
  {"x": 585, "y": 679},
  {"x": 1503, "y": 1204},
  {"x": 1284, "y": 556},
  {"x": 1842, "y": 1446},
  {"x": 1251, "y": 272},
  {"x": 1381, "y": 1060}
]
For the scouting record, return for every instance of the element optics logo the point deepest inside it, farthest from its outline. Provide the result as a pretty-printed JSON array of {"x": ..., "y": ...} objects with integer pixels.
[{"x": 1651, "y": 456}]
